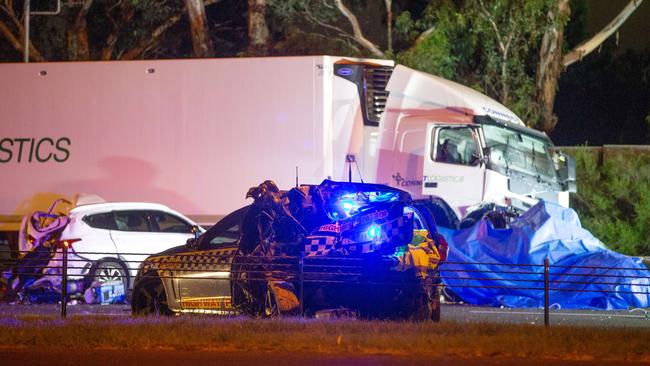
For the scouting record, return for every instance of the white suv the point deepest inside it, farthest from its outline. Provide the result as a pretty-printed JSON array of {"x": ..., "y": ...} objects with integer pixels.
[{"x": 109, "y": 240}]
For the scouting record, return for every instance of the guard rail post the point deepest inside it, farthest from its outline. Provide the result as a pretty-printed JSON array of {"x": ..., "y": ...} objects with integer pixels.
[
  {"x": 64, "y": 280},
  {"x": 301, "y": 278},
  {"x": 546, "y": 315}
]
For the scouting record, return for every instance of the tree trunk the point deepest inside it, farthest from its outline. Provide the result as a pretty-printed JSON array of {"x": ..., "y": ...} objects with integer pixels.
[
  {"x": 258, "y": 30},
  {"x": 389, "y": 24},
  {"x": 198, "y": 24},
  {"x": 552, "y": 61},
  {"x": 78, "y": 46},
  {"x": 550, "y": 65}
]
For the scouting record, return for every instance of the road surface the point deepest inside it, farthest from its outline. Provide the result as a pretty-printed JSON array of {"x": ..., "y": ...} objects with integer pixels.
[
  {"x": 40, "y": 357},
  {"x": 455, "y": 313}
]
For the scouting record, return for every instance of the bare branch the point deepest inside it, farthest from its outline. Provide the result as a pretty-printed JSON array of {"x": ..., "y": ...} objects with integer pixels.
[
  {"x": 340, "y": 31},
  {"x": 127, "y": 14},
  {"x": 356, "y": 28},
  {"x": 10, "y": 5},
  {"x": 588, "y": 46},
  {"x": 13, "y": 38},
  {"x": 78, "y": 45},
  {"x": 493, "y": 24},
  {"x": 145, "y": 45},
  {"x": 424, "y": 35},
  {"x": 9, "y": 10},
  {"x": 5, "y": 31},
  {"x": 151, "y": 40}
]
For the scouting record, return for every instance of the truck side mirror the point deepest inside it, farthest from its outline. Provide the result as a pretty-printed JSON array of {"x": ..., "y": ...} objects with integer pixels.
[{"x": 567, "y": 171}]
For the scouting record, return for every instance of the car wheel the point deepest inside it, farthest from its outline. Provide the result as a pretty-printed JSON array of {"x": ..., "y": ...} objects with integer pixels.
[
  {"x": 109, "y": 271},
  {"x": 149, "y": 297},
  {"x": 422, "y": 310},
  {"x": 435, "y": 304},
  {"x": 280, "y": 300},
  {"x": 271, "y": 308},
  {"x": 427, "y": 305}
]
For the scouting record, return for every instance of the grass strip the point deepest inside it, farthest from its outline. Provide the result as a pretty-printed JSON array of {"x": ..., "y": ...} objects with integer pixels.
[{"x": 330, "y": 337}]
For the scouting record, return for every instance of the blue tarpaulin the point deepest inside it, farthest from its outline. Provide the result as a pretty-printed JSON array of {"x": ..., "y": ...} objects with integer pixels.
[{"x": 504, "y": 267}]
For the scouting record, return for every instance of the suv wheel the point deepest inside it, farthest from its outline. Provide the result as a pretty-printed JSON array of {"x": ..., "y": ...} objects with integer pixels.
[{"x": 108, "y": 271}]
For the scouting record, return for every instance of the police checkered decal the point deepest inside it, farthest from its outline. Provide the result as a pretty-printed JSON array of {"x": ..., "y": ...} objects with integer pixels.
[
  {"x": 211, "y": 260},
  {"x": 392, "y": 228},
  {"x": 359, "y": 242},
  {"x": 319, "y": 245}
]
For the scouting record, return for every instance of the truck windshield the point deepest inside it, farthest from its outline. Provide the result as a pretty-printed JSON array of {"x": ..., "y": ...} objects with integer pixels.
[{"x": 511, "y": 149}]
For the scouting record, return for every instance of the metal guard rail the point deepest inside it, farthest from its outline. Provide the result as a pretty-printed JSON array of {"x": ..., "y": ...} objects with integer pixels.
[{"x": 334, "y": 269}]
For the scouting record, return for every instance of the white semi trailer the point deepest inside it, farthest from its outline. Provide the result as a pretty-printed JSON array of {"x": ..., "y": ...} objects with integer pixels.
[{"x": 195, "y": 134}]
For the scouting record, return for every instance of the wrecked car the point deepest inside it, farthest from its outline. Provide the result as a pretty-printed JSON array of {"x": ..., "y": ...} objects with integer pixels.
[
  {"x": 105, "y": 244},
  {"x": 34, "y": 278},
  {"x": 333, "y": 248}
]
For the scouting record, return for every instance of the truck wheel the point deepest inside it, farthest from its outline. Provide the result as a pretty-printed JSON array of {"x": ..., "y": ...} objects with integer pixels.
[
  {"x": 110, "y": 270},
  {"x": 149, "y": 297}
]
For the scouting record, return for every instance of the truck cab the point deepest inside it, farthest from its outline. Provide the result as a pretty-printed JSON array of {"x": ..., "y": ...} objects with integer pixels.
[
  {"x": 492, "y": 161},
  {"x": 443, "y": 140}
]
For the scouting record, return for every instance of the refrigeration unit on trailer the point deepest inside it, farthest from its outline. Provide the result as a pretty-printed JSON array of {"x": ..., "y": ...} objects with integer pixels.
[{"x": 190, "y": 133}]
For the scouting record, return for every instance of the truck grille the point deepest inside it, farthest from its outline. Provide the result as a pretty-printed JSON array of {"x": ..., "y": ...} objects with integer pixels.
[{"x": 374, "y": 85}]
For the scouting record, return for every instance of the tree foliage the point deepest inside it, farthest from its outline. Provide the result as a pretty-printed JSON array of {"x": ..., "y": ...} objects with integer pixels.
[
  {"x": 431, "y": 41},
  {"x": 337, "y": 21},
  {"x": 122, "y": 29},
  {"x": 511, "y": 50},
  {"x": 489, "y": 45},
  {"x": 613, "y": 200},
  {"x": 492, "y": 46}
]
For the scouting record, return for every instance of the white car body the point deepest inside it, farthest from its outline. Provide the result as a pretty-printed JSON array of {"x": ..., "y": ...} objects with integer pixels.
[{"x": 136, "y": 231}]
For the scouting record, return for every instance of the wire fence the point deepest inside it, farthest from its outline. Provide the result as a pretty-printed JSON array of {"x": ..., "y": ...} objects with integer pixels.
[{"x": 359, "y": 276}]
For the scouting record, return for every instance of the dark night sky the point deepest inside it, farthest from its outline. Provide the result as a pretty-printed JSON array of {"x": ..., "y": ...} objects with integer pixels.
[{"x": 605, "y": 99}]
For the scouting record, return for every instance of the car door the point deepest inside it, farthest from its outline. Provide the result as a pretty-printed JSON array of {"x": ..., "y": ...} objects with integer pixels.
[
  {"x": 136, "y": 235},
  {"x": 170, "y": 230},
  {"x": 204, "y": 284}
]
